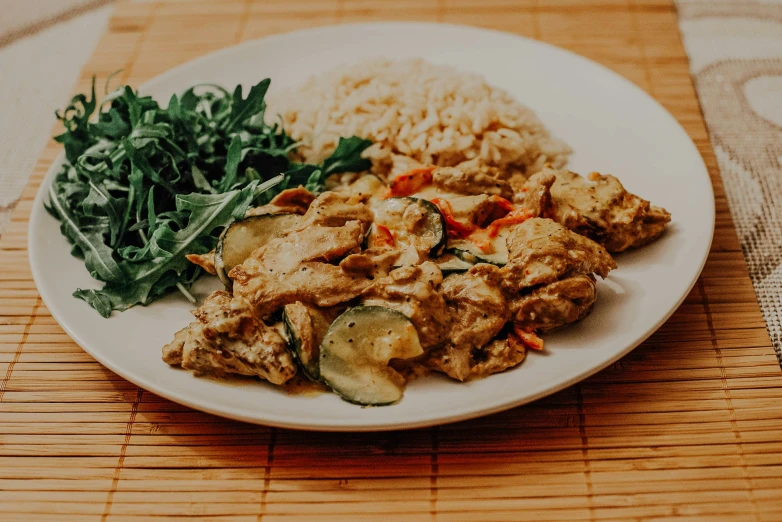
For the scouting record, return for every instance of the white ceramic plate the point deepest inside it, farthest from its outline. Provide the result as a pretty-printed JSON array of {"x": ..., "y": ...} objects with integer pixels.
[{"x": 612, "y": 125}]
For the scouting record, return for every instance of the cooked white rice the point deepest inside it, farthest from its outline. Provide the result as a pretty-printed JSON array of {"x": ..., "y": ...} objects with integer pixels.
[{"x": 434, "y": 114}]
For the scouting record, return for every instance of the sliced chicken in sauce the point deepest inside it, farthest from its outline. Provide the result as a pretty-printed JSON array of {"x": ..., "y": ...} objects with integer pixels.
[
  {"x": 541, "y": 251},
  {"x": 476, "y": 304},
  {"x": 205, "y": 261},
  {"x": 331, "y": 209},
  {"x": 371, "y": 263},
  {"x": 497, "y": 356},
  {"x": 558, "y": 228},
  {"x": 478, "y": 311},
  {"x": 298, "y": 267},
  {"x": 601, "y": 209},
  {"x": 289, "y": 201},
  {"x": 473, "y": 177},
  {"x": 228, "y": 338},
  {"x": 535, "y": 195},
  {"x": 555, "y": 304},
  {"x": 467, "y": 364},
  {"x": 365, "y": 189}
]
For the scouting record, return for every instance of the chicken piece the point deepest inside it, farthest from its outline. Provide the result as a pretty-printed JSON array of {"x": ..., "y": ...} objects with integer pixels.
[
  {"x": 601, "y": 209},
  {"x": 472, "y": 177},
  {"x": 310, "y": 324},
  {"x": 541, "y": 251},
  {"x": 535, "y": 195},
  {"x": 227, "y": 338},
  {"x": 555, "y": 304},
  {"x": 516, "y": 178},
  {"x": 497, "y": 356},
  {"x": 414, "y": 291},
  {"x": 372, "y": 263},
  {"x": 296, "y": 268},
  {"x": 456, "y": 363},
  {"x": 465, "y": 364},
  {"x": 332, "y": 209},
  {"x": 476, "y": 304},
  {"x": 205, "y": 261},
  {"x": 478, "y": 210},
  {"x": 365, "y": 189},
  {"x": 290, "y": 201},
  {"x": 471, "y": 209},
  {"x": 172, "y": 352}
]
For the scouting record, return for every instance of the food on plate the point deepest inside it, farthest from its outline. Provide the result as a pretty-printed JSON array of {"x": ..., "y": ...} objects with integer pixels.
[
  {"x": 600, "y": 208},
  {"x": 144, "y": 186},
  {"x": 406, "y": 218},
  {"x": 377, "y": 290},
  {"x": 541, "y": 251},
  {"x": 432, "y": 114},
  {"x": 226, "y": 339},
  {"x": 356, "y": 351}
]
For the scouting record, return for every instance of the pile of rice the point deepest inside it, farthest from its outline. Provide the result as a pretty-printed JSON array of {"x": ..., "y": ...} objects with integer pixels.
[{"x": 433, "y": 114}]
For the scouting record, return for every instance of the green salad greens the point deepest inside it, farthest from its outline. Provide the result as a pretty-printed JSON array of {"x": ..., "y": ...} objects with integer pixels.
[{"x": 144, "y": 185}]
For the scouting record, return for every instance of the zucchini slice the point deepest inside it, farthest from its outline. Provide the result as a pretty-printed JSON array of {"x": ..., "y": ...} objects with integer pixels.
[
  {"x": 468, "y": 251},
  {"x": 306, "y": 326},
  {"x": 355, "y": 352},
  {"x": 451, "y": 264},
  {"x": 415, "y": 224},
  {"x": 241, "y": 237},
  {"x": 472, "y": 254}
]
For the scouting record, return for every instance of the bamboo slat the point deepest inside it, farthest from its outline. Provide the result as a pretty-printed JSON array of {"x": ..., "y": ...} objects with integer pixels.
[{"x": 686, "y": 427}]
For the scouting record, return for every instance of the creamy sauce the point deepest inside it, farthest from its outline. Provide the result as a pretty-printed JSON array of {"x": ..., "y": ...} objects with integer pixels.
[
  {"x": 300, "y": 385},
  {"x": 432, "y": 191}
]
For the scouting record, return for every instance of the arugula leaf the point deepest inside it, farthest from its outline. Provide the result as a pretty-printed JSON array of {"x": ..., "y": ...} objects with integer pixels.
[
  {"x": 200, "y": 181},
  {"x": 242, "y": 109},
  {"x": 110, "y": 125},
  {"x": 347, "y": 157},
  {"x": 142, "y": 183},
  {"x": 231, "y": 164},
  {"x": 75, "y": 118},
  {"x": 97, "y": 255},
  {"x": 111, "y": 207},
  {"x": 96, "y": 299},
  {"x": 163, "y": 257}
]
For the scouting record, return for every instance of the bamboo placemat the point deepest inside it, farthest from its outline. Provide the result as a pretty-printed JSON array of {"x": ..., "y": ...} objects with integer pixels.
[{"x": 685, "y": 427}]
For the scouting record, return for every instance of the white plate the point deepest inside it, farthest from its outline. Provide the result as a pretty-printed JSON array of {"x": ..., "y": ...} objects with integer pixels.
[{"x": 612, "y": 125}]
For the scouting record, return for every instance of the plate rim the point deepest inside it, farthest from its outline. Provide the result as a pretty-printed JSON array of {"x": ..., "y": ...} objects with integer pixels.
[{"x": 342, "y": 425}]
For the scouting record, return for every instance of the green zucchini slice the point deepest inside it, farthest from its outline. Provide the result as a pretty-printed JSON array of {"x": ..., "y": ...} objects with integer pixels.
[
  {"x": 306, "y": 326},
  {"x": 468, "y": 251},
  {"x": 357, "y": 348},
  {"x": 451, "y": 264},
  {"x": 241, "y": 237},
  {"x": 416, "y": 225}
]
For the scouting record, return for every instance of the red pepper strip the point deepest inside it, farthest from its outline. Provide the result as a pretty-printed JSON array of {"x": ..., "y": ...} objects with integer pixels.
[
  {"x": 383, "y": 237},
  {"x": 456, "y": 229},
  {"x": 516, "y": 343},
  {"x": 503, "y": 203},
  {"x": 500, "y": 207},
  {"x": 411, "y": 182},
  {"x": 519, "y": 215},
  {"x": 529, "y": 338}
]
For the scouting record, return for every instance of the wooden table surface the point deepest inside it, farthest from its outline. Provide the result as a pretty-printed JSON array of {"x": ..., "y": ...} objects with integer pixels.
[{"x": 686, "y": 427}]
